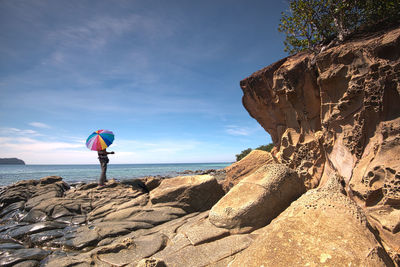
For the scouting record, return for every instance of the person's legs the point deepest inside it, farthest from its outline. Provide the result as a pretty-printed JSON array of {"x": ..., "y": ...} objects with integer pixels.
[
  {"x": 103, "y": 178},
  {"x": 105, "y": 172}
]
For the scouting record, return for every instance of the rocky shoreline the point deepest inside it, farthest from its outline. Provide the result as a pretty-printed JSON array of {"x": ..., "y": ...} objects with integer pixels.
[
  {"x": 327, "y": 195},
  {"x": 183, "y": 221}
]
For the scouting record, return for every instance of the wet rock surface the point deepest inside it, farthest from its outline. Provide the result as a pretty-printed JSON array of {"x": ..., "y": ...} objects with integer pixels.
[{"x": 49, "y": 223}]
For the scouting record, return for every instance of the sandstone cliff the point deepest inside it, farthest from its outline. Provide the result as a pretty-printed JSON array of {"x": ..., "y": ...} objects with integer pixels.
[{"x": 338, "y": 111}]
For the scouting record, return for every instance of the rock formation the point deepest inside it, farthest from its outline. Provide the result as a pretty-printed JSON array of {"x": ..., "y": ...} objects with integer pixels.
[
  {"x": 257, "y": 199},
  {"x": 50, "y": 223},
  {"x": 321, "y": 228},
  {"x": 338, "y": 111}
]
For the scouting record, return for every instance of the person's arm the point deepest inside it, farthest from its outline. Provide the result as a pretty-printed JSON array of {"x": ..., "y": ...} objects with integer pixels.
[{"x": 112, "y": 152}]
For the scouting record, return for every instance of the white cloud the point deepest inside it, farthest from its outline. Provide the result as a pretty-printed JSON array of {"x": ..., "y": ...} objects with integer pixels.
[
  {"x": 97, "y": 32},
  {"x": 237, "y": 130},
  {"x": 39, "y": 125},
  {"x": 35, "y": 151},
  {"x": 30, "y": 144},
  {"x": 15, "y": 131}
]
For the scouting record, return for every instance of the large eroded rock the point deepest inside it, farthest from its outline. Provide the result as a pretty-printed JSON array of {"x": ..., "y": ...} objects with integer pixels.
[
  {"x": 258, "y": 198},
  {"x": 322, "y": 228},
  {"x": 337, "y": 111}
]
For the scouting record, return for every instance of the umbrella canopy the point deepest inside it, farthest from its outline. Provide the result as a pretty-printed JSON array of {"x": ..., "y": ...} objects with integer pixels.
[{"x": 100, "y": 140}]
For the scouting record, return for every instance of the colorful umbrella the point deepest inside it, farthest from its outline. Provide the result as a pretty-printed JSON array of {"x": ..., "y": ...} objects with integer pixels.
[{"x": 100, "y": 140}]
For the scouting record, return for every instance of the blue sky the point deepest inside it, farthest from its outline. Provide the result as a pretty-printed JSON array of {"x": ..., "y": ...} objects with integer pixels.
[{"x": 162, "y": 75}]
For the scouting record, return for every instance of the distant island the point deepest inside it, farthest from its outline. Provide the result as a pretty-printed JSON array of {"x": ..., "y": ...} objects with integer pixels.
[{"x": 11, "y": 161}]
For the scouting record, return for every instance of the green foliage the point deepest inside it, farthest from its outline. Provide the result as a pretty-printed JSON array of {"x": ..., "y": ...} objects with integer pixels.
[
  {"x": 267, "y": 148},
  {"x": 377, "y": 11},
  {"x": 245, "y": 152},
  {"x": 310, "y": 22}
]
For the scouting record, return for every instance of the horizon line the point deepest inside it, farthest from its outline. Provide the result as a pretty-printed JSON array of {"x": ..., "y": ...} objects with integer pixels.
[{"x": 230, "y": 162}]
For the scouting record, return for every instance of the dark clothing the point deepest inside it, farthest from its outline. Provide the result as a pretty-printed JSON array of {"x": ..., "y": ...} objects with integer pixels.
[
  {"x": 103, "y": 156},
  {"x": 103, "y": 164}
]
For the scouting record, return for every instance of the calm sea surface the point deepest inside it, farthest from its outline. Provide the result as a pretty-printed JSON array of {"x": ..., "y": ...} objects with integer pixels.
[{"x": 85, "y": 173}]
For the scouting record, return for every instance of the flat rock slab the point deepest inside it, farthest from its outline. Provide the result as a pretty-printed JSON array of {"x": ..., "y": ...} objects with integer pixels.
[
  {"x": 10, "y": 258},
  {"x": 132, "y": 252},
  {"x": 207, "y": 253},
  {"x": 202, "y": 232},
  {"x": 10, "y": 246},
  {"x": 46, "y": 236},
  {"x": 34, "y": 228}
]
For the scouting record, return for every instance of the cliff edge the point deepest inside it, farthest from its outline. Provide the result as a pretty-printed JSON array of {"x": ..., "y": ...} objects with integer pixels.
[{"x": 338, "y": 111}]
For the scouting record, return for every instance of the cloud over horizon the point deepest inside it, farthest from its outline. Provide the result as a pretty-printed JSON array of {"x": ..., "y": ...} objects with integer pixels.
[{"x": 166, "y": 75}]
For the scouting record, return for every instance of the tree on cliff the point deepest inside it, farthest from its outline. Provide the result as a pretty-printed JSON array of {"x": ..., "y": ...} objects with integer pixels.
[
  {"x": 310, "y": 22},
  {"x": 245, "y": 152}
]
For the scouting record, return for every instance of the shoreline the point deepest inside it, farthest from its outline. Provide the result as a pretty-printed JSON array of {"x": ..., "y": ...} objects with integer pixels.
[{"x": 90, "y": 173}]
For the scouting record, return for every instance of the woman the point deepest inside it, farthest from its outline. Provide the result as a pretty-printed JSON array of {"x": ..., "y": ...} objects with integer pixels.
[{"x": 103, "y": 164}]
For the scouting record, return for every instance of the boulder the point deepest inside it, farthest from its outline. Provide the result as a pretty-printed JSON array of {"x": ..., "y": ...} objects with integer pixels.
[
  {"x": 246, "y": 166},
  {"x": 322, "y": 228},
  {"x": 194, "y": 193},
  {"x": 258, "y": 198}
]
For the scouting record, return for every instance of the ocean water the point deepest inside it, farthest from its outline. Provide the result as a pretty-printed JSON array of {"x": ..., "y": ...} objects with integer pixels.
[{"x": 87, "y": 173}]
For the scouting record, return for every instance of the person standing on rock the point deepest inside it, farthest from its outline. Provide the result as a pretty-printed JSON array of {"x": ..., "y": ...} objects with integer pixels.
[
  {"x": 98, "y": 141},
  {"x": 103, "y": 158}
]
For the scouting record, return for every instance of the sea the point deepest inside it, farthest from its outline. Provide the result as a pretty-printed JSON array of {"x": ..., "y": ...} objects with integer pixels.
[{"x": 10, "y": 174}]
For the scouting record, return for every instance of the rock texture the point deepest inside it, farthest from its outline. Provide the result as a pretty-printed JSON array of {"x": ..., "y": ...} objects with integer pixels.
[
  {"x": 258, "y": 198},
  {"x": 338, "y": 111},
  {"x": 322, "y": 228},
  {"x": 246, "y": 166},
  {"x": 46, "y": 222},
  {"x": 194, "y": 193}
]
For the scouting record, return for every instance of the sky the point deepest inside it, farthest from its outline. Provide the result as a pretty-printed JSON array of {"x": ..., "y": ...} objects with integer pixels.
[{"x": 163, "y": 75}]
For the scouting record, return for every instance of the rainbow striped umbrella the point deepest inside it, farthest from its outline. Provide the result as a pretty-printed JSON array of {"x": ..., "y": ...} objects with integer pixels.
[{"x": 100, "y": 140}]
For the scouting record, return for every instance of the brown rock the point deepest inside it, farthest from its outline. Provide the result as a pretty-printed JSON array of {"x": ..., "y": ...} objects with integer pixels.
[
  {"x": 246, "y": 166},
  {"x": 258, "y": 198},
  {"x": 196, "y": 193},
  {"x": 207, "y": 253},
  {"x": 132, "y": 251},
  {"x": 337, "y": 111},
  {"x": 321, "y": 228},
  {"x": 202, "y": 231}
]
